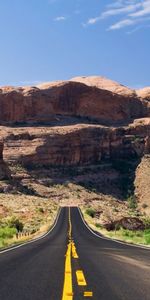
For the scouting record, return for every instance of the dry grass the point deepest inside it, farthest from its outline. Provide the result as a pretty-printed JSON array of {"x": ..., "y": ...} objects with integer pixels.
[
  {"x": 36, "y": 214},
  {"x": 129, "y": 236}
]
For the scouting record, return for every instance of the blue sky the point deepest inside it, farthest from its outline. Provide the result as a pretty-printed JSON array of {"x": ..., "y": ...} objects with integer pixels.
[{"x": 46, "y": 40}]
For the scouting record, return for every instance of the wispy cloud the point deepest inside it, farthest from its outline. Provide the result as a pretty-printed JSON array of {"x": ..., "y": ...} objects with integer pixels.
[
  {"x": 60, "y": 18},
  {"x": 133, "y": 12}
]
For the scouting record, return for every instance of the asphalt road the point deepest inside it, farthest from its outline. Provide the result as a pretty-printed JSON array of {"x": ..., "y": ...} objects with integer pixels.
[{"x": 101, "y": 269}]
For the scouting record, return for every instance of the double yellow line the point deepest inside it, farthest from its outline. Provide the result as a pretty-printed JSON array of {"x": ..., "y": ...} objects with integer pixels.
[
  {"x": 67, "y": 290},
  {"x": 71, "y": 252}
]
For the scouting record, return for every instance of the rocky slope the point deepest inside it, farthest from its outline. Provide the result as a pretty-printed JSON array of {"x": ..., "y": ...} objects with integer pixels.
[
  {"x": 75, "y": 144},
  {"x": 84, "y": 121},
  {"x": 142, "y": 185}
]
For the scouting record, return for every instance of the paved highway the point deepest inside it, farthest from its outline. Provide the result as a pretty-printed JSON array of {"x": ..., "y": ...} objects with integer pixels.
[{"x": 72, "y": 263}]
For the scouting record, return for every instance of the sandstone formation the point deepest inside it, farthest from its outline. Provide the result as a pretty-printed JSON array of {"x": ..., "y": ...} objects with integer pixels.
[
  {"x": 44, "y": 103},
  {"x": 144, "y": 93},
  {"x": 66, "y": 123},
  {"x": 106, "y": 84},
  {"x": 75, "y": 144},
  {"x": 142, "y": 184},
  {"x": 4, "y": 172},
  {"x": 66, "y": 110}
]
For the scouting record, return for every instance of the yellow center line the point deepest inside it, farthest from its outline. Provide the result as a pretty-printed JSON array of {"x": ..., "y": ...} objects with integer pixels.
[
  {"x": 71, "y": 252},
  {"x": 80, "y": 278},
  {"x": 68, "y": 289},
  {"x": 88, "y": 294}
]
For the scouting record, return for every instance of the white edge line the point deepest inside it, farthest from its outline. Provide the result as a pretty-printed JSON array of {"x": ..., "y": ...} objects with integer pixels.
[
  {"x": 109, "y": 239},
  {"x": 36, "y": 239}
]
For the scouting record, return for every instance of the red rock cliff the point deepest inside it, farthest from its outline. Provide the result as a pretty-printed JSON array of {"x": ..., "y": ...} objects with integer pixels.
[{"x": 40, "y": 104}]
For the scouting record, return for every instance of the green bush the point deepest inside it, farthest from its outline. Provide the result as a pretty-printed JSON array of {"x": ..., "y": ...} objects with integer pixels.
[
  {"x": 128, "y": 233},
  {"x": 7, "y": 232},
  {"x": 98, "y": 225},
  {"x": 90, "y": 212},
  {"x": 41, "y": 210},
  {"x": 147, "y": 236},
  {"x": 132, "y": 202},
  {"x": 15, "y": 223},
  {"x": 147, "y": 222}
]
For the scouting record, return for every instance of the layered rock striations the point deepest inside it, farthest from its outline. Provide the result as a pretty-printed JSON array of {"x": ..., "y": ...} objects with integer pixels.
[
  {"x": 81, "y": 121},
  {"x": 43, "y": 103},
  {"x": 75, "y": 144}
]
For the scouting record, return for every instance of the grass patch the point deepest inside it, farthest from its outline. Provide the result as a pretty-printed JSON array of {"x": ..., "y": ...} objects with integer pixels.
[
  {"x": 90, "y": 212},
  {"x": 6, "y": 233},
  {"x": 136, "y": 237}
]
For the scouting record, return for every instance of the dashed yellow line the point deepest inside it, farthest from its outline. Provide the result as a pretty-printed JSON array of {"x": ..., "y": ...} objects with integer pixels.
[
  {"x": 80, "y": 278},
  {"x": 71, "y": 252},
  {"x": 74, "y": 251},
  {"x": 88, "y": 294},
  {"x": 67, "y": 290}
]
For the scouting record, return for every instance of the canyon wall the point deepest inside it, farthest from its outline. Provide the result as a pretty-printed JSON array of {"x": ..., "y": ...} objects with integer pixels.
[
  {"x": 75, "y": 144},
  {"x": 4, "y": 171},
  {"x": 43, "y": 103},
  {"x": 142, "y": 184}
]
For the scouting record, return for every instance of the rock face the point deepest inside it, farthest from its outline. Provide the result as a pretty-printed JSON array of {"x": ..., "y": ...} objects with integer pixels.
[
  {"x": 77, "y": 122},
  {"x": 105, "y": 84},
  {"x": 121, "y": 129},
  {"x": 142, "y": 184},
  {"x": 43, "y": 103},
  {"x": 129, "y": 223},
  {"x": 75, "y": 144},
  {"x": 144, "y": 93},
  {"x": 4, "y": 172},
  {"x": 80, "y": 102}
]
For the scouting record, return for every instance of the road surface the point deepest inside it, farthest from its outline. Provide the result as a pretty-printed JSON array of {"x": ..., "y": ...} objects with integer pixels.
[{"x": 71, "y": 263}]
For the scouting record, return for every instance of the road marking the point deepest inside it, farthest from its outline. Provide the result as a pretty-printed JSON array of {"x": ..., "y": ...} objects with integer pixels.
[
  {"x": 68, "y": 282},
  {"x": 70, "y": 226},
  {"x": 80, "y": 278},
  {"x": 74, "y": 251},
  {"x": 106, "y": 238},
  {"x": 88, "y": 294},
  {"x": 67, "y": 290},
  {"x": 36, "y": 239}
]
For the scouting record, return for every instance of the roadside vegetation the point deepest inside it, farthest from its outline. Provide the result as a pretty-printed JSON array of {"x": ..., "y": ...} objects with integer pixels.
[
  {"x": 131, "y": 236},
  {"x": 137, "y": 237},
  {"x": 24, "y": 217},
  {"x": 6, "y": 233}
]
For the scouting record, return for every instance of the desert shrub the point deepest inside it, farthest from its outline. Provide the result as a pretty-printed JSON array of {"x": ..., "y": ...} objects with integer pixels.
[
  {"x": 28, "y": 190},
  {"x": 15, "y": 223},
  {"x": 98, "y": 225},
  {"x": 132, "y": 203},
  {"x": 128, "y": 233},
  {"x": 147, "y": 222},
  {"x": 7, "y": 232},
  {"x": 41, "y": 210},
  {"x": 144, "y": 205},
  {"x": 147, "y": 236},
  {"x": 90, "y": 212}
]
